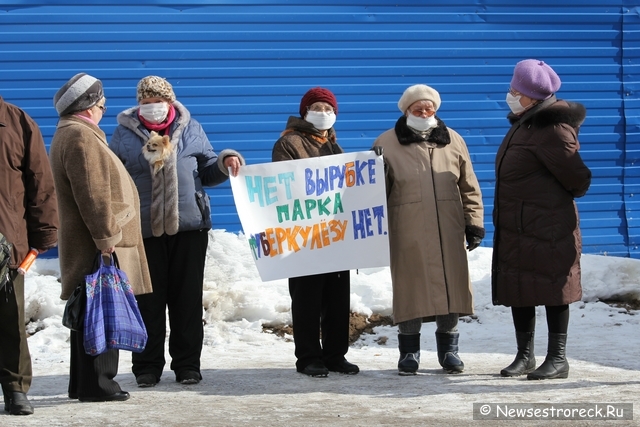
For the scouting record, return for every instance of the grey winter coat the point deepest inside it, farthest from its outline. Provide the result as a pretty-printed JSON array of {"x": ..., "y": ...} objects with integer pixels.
[
  {"x": 197, "y": 166},
  {"x": 537, "y": 242}
]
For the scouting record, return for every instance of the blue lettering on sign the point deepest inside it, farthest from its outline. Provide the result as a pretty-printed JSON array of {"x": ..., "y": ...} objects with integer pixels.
[
  {"x": 363, "y": 222},
  {"x": 332, "y": 178}
]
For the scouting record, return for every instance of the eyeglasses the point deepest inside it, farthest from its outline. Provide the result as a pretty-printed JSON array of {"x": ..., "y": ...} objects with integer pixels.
[
  {"x": 103, "y": 108},
  {"x": 320, "y": 109},
  {"x": 420, "y": 111},
  {"x": 513, "y": 92}
]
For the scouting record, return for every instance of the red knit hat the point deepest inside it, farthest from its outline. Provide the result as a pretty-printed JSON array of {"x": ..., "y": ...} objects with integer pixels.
[{"x": 317, "y": 94}]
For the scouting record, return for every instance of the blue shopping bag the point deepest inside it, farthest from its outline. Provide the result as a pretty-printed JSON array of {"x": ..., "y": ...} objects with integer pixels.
[{"x": 112, "y": 319}]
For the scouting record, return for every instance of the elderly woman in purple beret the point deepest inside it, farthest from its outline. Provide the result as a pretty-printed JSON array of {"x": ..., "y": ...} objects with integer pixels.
[{"x": 537, "y": 243}]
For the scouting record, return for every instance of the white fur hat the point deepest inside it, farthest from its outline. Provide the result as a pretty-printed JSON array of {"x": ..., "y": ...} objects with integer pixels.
[{"x": 417, "y": 93}]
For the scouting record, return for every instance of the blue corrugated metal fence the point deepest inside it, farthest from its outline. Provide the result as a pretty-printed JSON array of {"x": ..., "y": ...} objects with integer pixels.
[{"x": 241, "y": 68}]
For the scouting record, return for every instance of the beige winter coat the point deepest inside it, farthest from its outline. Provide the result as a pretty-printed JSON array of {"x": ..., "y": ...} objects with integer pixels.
[
  {"x": 98, "y": 204},
  {"x": 432, "y": 194}
]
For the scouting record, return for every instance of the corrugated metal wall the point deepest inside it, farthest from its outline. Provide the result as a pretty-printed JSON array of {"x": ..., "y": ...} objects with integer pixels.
[{"x": 241, "y": 68}]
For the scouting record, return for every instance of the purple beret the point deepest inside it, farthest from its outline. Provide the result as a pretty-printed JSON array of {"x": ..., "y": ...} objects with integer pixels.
[{"x": 535, "y": 79}]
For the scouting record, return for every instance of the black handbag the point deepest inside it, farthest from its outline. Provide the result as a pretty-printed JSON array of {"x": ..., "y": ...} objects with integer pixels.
[{"x": 73, "y": 316}]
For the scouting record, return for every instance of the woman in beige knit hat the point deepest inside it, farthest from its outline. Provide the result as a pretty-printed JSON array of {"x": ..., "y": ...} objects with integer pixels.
[
  {"x": 176, "y": 218},
  {"x": 434, "y": 204}
]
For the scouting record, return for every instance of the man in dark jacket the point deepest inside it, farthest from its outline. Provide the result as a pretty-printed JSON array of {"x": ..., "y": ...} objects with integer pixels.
[{"x": 28, "y": 219}]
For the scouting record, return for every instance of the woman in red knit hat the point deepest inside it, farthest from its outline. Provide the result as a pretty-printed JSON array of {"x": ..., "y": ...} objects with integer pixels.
[{"x": 320, "y": 301}]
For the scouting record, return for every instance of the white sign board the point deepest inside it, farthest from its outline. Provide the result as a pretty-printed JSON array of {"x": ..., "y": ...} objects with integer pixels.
[{"x": 316, "y": 215}]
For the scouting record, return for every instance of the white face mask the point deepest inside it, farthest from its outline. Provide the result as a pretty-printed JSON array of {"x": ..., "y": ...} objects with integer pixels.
[
  {"x": 321, "y": 120},
  {"x": 514, "y": 104},
  {"x": 421, "y": 124},
  {"x": 154, "y": 113}
]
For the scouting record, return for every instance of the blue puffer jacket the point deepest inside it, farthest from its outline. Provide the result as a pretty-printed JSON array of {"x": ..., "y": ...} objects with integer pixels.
[{"x": 197, "y": 166}]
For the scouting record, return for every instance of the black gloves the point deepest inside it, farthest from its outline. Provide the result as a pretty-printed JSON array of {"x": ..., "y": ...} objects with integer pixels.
[
  {"x": 474, "y": 236},
  {"x": 377, "y": 150}
]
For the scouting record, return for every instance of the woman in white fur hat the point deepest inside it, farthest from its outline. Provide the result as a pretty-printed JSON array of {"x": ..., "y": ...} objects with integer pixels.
[{"x": 434, "y": 204}]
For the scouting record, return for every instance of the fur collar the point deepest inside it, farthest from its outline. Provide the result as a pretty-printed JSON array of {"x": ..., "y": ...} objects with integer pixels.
[
  {"x": 553, "y": 113},
  {"x": 439, "y": 135},
  {"x": 129, "y": 119}
]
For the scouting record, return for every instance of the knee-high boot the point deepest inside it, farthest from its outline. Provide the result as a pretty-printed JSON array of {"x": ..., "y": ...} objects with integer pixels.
[
  {"x": 525, "y": 361},
  {"x": 409, "y": 346},
  {"x": 447, "y": 343},
  {"x": 555, "y": 365}
]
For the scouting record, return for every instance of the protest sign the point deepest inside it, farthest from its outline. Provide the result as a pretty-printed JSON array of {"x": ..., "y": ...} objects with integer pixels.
[{"x": 316, "y": 215}]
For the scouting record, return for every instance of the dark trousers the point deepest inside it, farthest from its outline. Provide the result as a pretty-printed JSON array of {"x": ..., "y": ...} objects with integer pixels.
[
  {"x": 91, "y": 376},
  {"x": 15, "y": 360},
  {"x": 320, "y": 302},
  {"x": 524, "y": 318},
  {"x": 176, "y": 264}
]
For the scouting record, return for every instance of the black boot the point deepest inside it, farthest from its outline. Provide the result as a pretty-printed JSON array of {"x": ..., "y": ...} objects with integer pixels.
[
  {"x": 409, "y": 345},
  {"x": 447, "y": 343},
  {"x": 525, "y": 361},
  {"x": 555, "y": 365},
  {"x": 16, "y": 403}
]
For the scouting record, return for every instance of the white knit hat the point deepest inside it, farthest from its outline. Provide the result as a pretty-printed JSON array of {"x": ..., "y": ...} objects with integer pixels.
[{"x": 418, "y": 93}]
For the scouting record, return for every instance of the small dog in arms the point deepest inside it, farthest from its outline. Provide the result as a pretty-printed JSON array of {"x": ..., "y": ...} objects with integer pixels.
[{"x": 157, "y": 150}]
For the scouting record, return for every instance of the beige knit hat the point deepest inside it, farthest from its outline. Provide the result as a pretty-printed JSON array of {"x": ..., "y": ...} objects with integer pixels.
[
  {"x": 417, "y": 93},
  {"x": 155, "y": 87}
]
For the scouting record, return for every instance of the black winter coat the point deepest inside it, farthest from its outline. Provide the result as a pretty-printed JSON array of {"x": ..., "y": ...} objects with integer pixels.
[{"x": 537, "y": 242}]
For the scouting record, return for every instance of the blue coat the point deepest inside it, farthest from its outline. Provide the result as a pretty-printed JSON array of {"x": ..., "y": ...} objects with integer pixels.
[{"x": 197, "y": 166}]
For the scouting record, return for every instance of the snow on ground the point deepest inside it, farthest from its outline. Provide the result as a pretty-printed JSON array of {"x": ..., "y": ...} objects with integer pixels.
[{"x": 250, "y": 378}]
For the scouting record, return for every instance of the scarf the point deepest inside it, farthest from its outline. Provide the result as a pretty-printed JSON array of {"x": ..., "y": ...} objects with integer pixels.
[{"x": 161, "y": 128}]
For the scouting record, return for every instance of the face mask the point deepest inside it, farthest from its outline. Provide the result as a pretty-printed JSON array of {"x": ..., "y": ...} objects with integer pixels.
[
  {"x": 321, "y": 120},
  {"x": 154, "y": 113},
  {"x": 514, "y": 104},
  {"x": 421, "y": 124}
]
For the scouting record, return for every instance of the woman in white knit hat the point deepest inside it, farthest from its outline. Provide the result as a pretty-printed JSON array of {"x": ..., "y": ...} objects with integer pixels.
[
  {"x": 434, "y": 204},
  {"x": 176, "y": 218}
]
